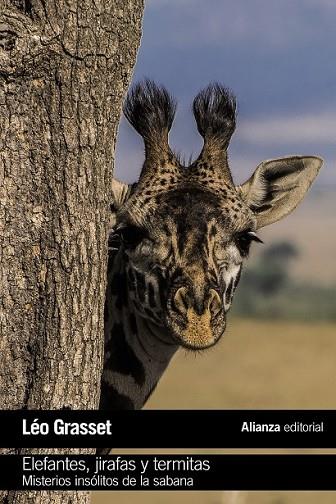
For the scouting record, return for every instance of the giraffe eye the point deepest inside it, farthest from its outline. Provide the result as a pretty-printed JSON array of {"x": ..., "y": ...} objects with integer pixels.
[
  {"x": 244, "y": 239},
  {"x": 132, "y": 235}
]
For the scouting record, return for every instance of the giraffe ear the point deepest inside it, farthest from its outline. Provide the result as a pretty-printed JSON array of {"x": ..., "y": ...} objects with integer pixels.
[
  {"x": 120, "y": 193},
  {"x": 277, "y": 186}
]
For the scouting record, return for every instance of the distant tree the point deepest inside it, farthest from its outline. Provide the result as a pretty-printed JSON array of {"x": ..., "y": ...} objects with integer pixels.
[
  {"x": 281, "y": 252},
  {"x": 271, "y": 273}
]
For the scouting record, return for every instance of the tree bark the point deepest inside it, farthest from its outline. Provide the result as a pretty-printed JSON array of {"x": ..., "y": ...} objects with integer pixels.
[{"x": 64, "y": 68}]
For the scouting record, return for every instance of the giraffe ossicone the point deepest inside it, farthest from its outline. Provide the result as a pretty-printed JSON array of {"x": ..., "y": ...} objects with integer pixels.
[{"x": 180, "y": 236}]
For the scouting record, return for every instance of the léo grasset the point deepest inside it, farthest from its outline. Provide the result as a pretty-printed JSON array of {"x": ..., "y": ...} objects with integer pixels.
[{"x": 179, "y": 239}]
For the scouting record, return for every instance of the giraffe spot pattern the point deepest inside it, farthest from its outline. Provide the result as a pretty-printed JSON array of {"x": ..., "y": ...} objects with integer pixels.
[
  {"x": 111, "y": 399},
  {"x": 122, "y": 358},
  {"x": 133, "y": 323},
  {"x": 119, "y": 290}
]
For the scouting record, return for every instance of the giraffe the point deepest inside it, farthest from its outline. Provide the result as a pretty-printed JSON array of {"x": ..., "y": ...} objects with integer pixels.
[{"x": 179, "y": 239}]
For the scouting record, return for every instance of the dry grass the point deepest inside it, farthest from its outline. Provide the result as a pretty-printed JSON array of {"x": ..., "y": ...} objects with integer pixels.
[{"x": 256, "y": 365}]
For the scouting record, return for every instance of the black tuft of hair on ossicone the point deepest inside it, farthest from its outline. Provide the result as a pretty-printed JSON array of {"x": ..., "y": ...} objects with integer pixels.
[
  {"x": 215, "y": 113},
  {"x": 150, "y": 109}
]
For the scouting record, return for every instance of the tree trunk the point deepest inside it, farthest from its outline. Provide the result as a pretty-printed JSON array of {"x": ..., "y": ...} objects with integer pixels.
[{"x": 64, "y": 68}]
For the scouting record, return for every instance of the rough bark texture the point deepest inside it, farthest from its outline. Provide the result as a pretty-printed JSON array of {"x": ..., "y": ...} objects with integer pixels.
[{"x": 64, "y": 68}]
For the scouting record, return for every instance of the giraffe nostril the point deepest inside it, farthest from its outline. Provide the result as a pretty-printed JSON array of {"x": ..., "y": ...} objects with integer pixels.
[
  {"x": 215, "y": 302},
  {"x": 183, "y": 300},
  {"x": 180, "y": 300}
]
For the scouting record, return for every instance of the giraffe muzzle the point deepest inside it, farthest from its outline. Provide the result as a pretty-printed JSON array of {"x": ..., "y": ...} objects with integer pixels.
[{"x": 197, "y": 319}]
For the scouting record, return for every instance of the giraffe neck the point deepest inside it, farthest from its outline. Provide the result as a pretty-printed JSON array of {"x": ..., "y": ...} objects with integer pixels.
[{"x": 137, "y": 351}]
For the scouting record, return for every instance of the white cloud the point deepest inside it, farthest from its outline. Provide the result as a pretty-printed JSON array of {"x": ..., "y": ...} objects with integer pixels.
[
  {"x": 274, "y": 23},
  {"x": 176, "y": 3},
  {"x": 308, "y": 128}
]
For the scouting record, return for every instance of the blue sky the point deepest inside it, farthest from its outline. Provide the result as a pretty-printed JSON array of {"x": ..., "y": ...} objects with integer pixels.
[{"x": 278, "y": 57}]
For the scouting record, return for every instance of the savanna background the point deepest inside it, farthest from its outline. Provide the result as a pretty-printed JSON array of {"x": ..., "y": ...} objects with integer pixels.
[{"x": 280, "y": 348}]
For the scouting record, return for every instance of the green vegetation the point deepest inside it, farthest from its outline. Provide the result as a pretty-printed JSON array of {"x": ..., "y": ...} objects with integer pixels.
[{"x": 267, "y": 290}]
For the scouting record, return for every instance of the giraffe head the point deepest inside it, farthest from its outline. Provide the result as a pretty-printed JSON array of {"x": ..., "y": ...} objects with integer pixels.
[{"x": 185, "y": 231}]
